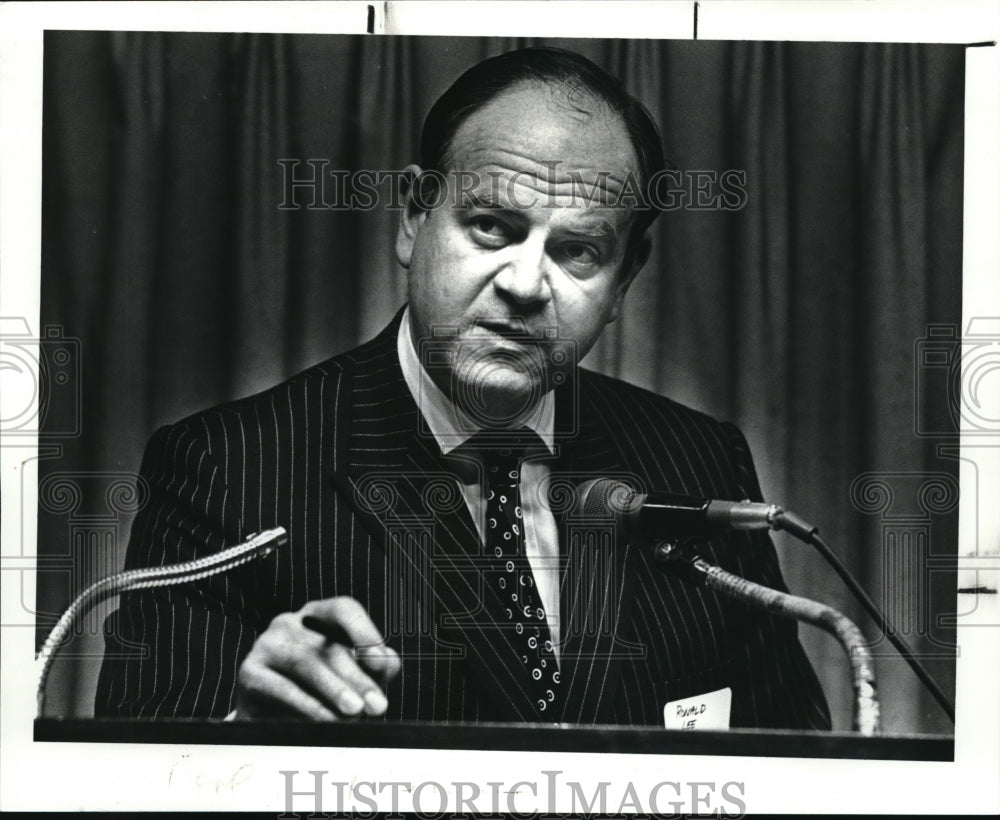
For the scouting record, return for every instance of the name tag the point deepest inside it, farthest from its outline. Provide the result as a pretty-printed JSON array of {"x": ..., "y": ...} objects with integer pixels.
[{"x": 708, "y": 711}]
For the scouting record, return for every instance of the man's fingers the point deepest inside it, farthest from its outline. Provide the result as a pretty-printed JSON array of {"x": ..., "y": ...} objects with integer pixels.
[
  {"x": 343, "y": 664},
  {"x": 380, "y": 659},
  {"x": 325, "y": 661},
  {"x": 344, "y": 621},
  {"x": 266, "y": 693},
  {"x": 343, "y": 613},
  {"x": 311, "y": 669}
]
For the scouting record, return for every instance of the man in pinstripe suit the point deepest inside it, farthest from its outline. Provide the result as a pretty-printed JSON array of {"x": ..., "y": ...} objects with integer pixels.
[{"x": 384, "y": 603}]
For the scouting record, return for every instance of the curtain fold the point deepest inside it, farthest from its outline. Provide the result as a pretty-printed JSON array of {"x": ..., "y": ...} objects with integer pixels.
[
  {"x": 167, "y": 254},
  {"x": 263, "y": 285}
]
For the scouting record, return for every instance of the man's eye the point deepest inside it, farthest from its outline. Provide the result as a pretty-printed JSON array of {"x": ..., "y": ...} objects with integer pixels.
[
  {"x": 580, "y": 253},
  {"x": 489, "y": 230}
]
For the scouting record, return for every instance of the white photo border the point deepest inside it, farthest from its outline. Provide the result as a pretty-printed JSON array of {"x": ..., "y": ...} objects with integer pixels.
[{"x": 69, "y": 776}]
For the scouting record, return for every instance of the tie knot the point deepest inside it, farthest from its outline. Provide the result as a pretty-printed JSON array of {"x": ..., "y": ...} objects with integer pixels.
[{"x": 507, "y": 448}]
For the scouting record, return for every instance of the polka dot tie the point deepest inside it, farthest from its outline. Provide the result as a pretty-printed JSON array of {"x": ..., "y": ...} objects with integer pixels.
[{"x": 511, "y": 572}]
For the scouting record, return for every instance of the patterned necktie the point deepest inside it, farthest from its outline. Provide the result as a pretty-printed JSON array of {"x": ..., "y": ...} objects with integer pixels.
[{"x": 511, "y": 574}]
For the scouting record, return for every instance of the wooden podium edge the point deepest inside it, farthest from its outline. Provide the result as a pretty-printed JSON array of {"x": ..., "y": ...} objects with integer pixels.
[{"x": 500, "y": 737}]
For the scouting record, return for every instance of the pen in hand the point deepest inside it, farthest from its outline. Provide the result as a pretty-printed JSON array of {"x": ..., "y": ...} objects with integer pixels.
[
  {"x": 326, "y": 661},
  {"x": 333, "y": 632},
  {"x": 336, "y": 634}
]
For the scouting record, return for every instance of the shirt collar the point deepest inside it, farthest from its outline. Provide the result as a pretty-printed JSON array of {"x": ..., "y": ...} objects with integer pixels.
[{"x": 450, "y": 426}]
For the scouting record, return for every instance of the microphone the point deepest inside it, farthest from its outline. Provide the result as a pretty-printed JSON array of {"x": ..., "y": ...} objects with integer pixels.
[
  {"x": 664, "y": 515},
  {"x": 257, "y": 545}
]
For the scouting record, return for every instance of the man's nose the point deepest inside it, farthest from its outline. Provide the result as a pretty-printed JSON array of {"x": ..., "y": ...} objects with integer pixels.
[{"x": 524, "y": 278}]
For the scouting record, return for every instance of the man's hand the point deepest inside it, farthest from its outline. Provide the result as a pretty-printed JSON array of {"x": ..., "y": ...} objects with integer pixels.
[{"x": 312, "y": 663}]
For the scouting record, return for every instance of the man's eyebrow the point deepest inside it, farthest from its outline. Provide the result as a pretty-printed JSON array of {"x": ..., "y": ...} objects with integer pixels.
[
  {"x": 600, "y": 229},
  {"x": 484, "y": 201}
]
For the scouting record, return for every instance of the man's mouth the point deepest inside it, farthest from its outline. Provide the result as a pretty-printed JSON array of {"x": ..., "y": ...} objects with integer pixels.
[{"x": 514, "y": 330}]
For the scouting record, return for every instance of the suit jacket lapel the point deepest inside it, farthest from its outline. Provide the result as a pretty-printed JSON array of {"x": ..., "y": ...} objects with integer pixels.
[
  {"x": 598, "y": 584},
  {"x": 397, "y": 481}
]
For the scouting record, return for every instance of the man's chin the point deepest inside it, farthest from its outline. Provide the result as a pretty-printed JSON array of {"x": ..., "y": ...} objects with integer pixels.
[{"x": 503, "y": 397}]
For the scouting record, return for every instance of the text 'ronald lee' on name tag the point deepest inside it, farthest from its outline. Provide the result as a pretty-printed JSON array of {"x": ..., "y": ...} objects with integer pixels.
[{"x": 708, "y": 711}]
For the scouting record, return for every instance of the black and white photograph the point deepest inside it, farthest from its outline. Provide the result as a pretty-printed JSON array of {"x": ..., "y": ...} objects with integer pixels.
[{"x": 551, "y": 397}]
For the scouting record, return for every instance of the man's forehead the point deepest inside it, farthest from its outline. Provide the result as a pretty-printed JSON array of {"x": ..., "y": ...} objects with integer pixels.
[
  {"x": 538, "y": 143},
  {"x": 554, "y": 132}
]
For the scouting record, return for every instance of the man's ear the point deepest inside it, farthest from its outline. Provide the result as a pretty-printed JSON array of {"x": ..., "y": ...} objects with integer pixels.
[
  {"x": 636, "y": 258},
  {"x": 410, "y": 219}
]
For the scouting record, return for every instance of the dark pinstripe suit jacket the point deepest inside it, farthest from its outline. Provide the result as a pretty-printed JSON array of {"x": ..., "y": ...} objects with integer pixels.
[{"x": 335, "y": 456}]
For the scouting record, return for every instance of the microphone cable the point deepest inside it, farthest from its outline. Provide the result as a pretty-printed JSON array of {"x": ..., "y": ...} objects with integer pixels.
[
  {"x": 807, "y": 533},
  {"x": 883, "y": 622}
]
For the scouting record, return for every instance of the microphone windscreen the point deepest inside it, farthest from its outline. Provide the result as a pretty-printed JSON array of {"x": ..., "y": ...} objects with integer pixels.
[{"x": 602, "y": 498}]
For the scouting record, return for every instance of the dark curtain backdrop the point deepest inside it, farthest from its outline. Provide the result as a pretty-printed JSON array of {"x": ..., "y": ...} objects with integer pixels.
[{"x": 797, "y": 317}]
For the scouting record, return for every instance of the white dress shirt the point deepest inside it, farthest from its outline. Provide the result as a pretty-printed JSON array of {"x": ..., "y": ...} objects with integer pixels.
[{"x": 452, "y": 428}]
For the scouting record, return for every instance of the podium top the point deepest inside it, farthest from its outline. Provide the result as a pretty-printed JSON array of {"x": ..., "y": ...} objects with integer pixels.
[{"x": 501, "y": 737}]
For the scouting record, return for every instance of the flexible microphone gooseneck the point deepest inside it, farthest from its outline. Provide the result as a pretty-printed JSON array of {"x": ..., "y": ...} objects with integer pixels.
[
  {"x": 256, "y": 546},
  {"x": 852, "y": 640},
  {"x": 657, "y": 516}
]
